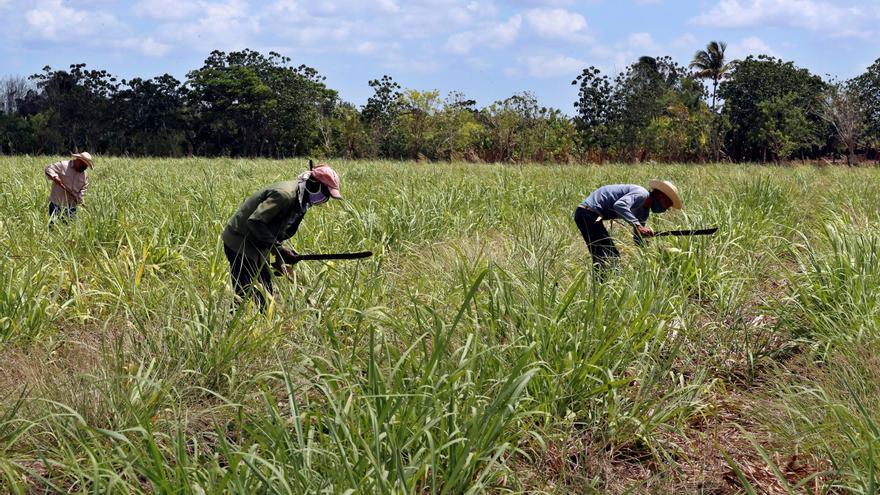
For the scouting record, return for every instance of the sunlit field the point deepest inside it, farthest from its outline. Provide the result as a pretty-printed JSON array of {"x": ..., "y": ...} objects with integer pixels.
[{"x": 473, "y": 353}]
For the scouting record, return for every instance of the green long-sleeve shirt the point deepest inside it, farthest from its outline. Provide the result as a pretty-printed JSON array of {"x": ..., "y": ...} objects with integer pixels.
[{"x": 267, "y": 218}]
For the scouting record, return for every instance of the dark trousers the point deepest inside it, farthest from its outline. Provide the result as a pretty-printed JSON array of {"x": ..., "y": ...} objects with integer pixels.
[
  {"x": 244, "y": 271},
  {"x": 596, "y": 236},
  {"x": 61, "y": 213}
]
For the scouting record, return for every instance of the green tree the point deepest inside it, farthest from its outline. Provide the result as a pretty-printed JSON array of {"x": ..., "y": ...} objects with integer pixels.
[
  {"x": 458, "y": 129},
  {"x": 510, "y": 129},
  {"x": 349, "y": 138},
  {"x": 642, "y": 89},
  {"x": 17, "y": 135},
  {"x": 684, "y": 131},
  {"x": 246, "y": 103},
  {"x": 784, "y": 126},
  {"x": 711, "y": 64},
  {"x": 380, "y": 116},
  {"x": 615, "y": 115},
  {"x": 753, "y": 90},
  {"x": 842, "y": 109},
  {"x": 598, "y": 111},
  {"x": 151, "y": 117},
  {"x": 557, "y": 137},
  {"x": 867, "y": 87},
  {"x": 231, "y": 98},
  {"x": 418, "y": 120},
  {"x": 76, "y": 108}
]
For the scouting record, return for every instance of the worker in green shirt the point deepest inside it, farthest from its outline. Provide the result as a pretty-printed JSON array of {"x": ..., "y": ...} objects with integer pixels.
[{"x": 266, "y": 219}]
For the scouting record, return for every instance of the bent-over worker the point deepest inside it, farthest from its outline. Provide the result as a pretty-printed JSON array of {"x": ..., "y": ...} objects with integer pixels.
[
  {"x": 69, "y": 183},
  {"x": 628, "y": 202},
  {"x": 266, "y": 219}
]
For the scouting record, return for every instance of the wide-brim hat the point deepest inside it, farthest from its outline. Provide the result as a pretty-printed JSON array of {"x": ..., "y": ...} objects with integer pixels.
[
  {"x": 84, "y": 156},
  {"x": 669, "y": 189}
]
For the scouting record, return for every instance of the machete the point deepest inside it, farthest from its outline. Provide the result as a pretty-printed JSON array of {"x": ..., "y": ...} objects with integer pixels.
[
  {"x": 292, "y": 260},
  {"x": 279, "y": 266},
  {"x": 680, "y": 233},
  {"x": 334, "y": 256}
]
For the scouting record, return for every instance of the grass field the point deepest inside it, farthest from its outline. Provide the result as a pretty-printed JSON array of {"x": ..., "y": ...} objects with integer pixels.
[{"x": 471, "y": 354}]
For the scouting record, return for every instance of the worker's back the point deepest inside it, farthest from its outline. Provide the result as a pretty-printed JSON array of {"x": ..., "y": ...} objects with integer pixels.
[{"x": 279, "y": 206}]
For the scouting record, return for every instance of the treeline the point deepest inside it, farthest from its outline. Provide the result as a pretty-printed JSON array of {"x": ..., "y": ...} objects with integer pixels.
[{"x": 251, "y": 104}]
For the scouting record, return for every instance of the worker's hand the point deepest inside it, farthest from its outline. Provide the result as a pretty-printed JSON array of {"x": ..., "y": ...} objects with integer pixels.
[
  {"x": 288, "y": 255},
  {"x": 645, "y": 231}
]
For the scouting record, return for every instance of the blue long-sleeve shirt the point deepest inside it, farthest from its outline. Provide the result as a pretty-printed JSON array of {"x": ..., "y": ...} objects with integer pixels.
[{"x": 625, "y": 201}]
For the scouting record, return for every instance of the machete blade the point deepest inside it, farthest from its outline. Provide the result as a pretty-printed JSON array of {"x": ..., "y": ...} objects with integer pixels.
[{"x": 681, "y": 233}]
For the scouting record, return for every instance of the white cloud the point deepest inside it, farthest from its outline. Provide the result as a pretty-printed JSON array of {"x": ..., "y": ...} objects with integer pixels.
[
  {"x": 167, "y": 9},
  {"x": 750, "y": 46},
  {"x": 399, "y": 62},
  {"x": 553, "y": 66},
  {"x": 505, "y": 33},
  {"x": 482, "y": 64},
  {"x": 686, "y": 41},
  {"x": 813, "y": 15},
  {"x": 557, "y": 23},
  {"x": 643, "y": 42},
  {"x": 366, "y": 47},
  {"x": 389, "y": 6},
  {"x": 495, "y": 36},
  {"x": 460, "y": 43},
  {"x": 52, "y": 20},
  {"x": 549, "y": 3},
  {"x": 153, "y": 48},
  {"x": 147, "y": 46},
  {"x": 57, "y": 21},
  {"x": 224, "y": 25}
]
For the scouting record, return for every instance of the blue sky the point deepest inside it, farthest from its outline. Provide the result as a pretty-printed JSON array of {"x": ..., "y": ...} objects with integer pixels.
[{"x": 489, "y": 49}]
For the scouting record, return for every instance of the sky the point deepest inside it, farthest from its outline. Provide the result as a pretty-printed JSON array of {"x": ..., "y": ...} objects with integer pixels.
[{"x": 487, "y": 49}]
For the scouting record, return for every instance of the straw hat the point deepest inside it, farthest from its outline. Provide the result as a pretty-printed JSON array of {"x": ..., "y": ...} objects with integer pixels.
[
  {"x": 84, "y": 156},
  {"x": 669, "y": 189}
]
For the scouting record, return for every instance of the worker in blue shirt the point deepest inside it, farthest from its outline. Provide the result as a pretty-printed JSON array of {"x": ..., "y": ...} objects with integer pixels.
[{"x": 628, "y": 202}]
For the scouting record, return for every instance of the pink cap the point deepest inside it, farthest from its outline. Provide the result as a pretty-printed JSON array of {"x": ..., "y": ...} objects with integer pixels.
[{"x": 327, "y": 176}]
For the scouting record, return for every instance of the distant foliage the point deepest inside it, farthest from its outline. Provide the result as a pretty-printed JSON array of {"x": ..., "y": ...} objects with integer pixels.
[
  {"x": 867, "y": 87},
  {"x": 250, "y": 104},
  {"x": 774, "y": 111},
  {"x": 652, "y": 110}
]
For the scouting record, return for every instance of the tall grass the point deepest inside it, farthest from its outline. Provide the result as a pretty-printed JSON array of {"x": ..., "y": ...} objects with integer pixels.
[{"x": 455, "y": 360}]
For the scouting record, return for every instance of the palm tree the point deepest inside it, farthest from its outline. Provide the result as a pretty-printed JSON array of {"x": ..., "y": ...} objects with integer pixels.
[{"x": 711, "y": 63}]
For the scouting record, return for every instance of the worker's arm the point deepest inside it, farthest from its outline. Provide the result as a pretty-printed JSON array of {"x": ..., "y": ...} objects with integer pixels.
[
  {"x": 53, "y": 172},
  {"x": 292, "y": 228},
  {"x": 258, "y": 223},
  {"x": 287, "y": 253},
  {"x": 80, "y": 195},
  {"x": 625, "y": 204}
]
